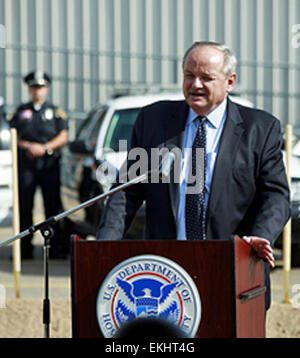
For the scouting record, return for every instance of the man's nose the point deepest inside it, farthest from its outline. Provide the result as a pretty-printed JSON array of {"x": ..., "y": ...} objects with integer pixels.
[{"x": 197, "y": 83}]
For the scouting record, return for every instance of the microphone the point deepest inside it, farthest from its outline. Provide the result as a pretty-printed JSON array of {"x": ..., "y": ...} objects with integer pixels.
[{"x": 166, "y": 164}]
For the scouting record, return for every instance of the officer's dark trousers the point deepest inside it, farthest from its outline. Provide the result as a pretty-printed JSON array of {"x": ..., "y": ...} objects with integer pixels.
[{"x": 29, "y": 180}]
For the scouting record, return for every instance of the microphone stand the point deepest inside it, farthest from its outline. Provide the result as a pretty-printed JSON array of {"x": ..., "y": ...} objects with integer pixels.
[{"x": 45, "y": 228}]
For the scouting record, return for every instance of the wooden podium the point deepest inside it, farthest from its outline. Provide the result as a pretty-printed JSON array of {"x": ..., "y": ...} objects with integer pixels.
[{"x": 228, "y": 275}]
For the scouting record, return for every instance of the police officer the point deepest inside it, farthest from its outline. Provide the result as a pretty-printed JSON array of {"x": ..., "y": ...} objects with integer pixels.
[{"x": 42, "y": 131}]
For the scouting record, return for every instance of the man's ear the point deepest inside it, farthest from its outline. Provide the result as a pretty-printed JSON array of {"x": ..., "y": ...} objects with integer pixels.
[{"x": 231, "y": 81}]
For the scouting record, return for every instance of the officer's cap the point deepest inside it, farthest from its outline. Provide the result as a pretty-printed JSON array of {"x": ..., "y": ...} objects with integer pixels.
[{"x": 37, "y": 78}]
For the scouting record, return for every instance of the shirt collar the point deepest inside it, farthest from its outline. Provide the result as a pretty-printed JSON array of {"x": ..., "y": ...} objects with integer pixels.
[
  {"x": 38, "y": 107},
  {"x": 215, "y": 117}
]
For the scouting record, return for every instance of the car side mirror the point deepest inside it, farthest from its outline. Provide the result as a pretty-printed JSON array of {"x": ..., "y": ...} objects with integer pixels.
[{"x": 81, "y": 147}]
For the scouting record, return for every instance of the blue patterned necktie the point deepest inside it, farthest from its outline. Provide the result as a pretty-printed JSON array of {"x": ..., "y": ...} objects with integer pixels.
[{"x": 194, "y": 208}]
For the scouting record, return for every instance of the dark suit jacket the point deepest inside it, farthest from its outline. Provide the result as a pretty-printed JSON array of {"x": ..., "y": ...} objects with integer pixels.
[{"x": 249, "y": 191}]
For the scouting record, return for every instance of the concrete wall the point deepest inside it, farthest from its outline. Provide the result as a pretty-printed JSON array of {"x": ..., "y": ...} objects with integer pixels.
[{"x": 93, "y": 47}]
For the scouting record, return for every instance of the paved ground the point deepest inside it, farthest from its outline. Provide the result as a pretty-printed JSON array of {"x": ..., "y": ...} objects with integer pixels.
[{"x": 32, "y": 275}]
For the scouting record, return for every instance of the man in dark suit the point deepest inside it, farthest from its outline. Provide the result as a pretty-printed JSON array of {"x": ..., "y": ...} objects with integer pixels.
[{"x": 245, "y": 191}]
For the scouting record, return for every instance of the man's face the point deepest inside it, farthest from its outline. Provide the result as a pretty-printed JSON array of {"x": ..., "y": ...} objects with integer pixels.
[
  {"x": 38, "y": 93},
  {"x": 204, "y": 84}
]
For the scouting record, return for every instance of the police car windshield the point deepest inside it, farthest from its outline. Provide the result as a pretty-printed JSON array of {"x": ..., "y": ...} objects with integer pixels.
[
  {"x": 93, "y": 120},
  {"x": 120, "y": 128}
]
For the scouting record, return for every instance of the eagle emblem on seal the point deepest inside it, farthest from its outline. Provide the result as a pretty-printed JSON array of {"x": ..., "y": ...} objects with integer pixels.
[{"x": 147, "y": 298}]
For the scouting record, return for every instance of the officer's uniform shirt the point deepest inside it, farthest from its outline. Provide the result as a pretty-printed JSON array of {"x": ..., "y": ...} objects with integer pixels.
[{"x": 39, "y": 124}]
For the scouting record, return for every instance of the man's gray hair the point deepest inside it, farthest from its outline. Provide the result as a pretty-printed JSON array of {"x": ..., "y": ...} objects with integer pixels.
[{"x": 229, "y": 58}]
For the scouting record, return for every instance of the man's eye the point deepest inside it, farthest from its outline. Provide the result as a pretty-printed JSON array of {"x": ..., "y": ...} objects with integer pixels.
[{"x": 207, "y": 79}]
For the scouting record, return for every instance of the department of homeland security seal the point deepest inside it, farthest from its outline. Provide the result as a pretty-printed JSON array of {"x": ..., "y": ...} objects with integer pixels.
[{"x": 148, "y": 286}]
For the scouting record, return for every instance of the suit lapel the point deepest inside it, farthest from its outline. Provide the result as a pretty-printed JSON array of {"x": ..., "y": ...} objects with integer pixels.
[
  {"x": 230, "y": 141},
  {"x": 174, "y": 129}
]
